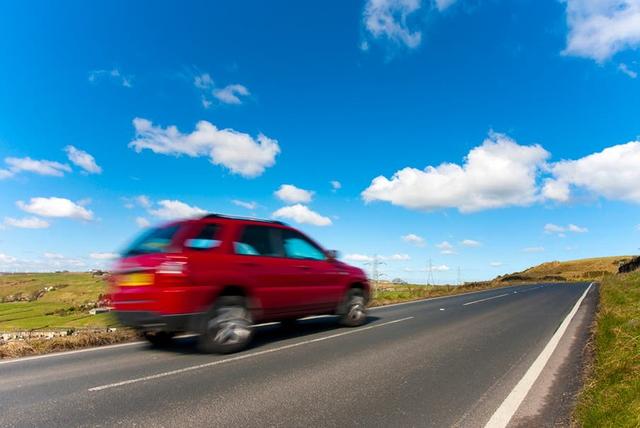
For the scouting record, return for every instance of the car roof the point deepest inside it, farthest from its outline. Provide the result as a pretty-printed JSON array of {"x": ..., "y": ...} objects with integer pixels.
[{"x": 241, "y": 219}]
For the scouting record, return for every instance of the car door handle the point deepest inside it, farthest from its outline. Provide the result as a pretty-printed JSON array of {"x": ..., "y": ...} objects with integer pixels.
[
  {"x": 303, "y": 267},
  {"x": 249, "y": 264}
]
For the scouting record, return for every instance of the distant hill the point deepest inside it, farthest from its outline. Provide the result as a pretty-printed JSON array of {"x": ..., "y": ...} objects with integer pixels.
[{"x": 572, "y": 270}]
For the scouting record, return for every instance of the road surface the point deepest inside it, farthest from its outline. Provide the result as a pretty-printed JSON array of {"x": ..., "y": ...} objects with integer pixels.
[{"x": 439, "y": 362}]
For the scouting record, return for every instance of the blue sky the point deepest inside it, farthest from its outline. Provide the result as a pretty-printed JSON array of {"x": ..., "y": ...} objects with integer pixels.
[{"x": 485, "y": 135}]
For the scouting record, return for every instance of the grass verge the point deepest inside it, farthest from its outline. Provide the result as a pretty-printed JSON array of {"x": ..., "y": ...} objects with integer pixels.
[
  {"x": 24, "y": 348},
  {"x": 611, "y": 396}
]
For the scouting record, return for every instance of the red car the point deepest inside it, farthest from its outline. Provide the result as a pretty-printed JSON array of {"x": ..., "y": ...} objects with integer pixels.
[{"x": 219, "y": 275}]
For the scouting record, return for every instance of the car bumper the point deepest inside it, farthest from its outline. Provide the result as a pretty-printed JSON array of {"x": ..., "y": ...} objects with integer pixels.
[{"x": 153, "y": 321}]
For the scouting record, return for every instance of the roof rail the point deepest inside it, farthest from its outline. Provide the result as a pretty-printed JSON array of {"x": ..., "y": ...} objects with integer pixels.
[{"x": 231, "y": 217}]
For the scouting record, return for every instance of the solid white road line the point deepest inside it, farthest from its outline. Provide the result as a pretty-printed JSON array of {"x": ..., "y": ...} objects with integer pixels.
[
  {"x": 484, "y": 300},
  {"x": 243, "y": 357},
  {"x": 78, "y": 351},
  {"x": 509, "y": 406}
]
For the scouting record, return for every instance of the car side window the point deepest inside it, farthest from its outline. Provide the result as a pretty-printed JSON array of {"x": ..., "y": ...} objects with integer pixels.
[
  {"x": 206, "y": 238},
  {"x": 297, "y": 246},
  {"x": 257, "y": 241}
]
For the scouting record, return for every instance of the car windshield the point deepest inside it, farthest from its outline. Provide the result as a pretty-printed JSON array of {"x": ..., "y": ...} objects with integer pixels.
[{"x": 155, "y": 240}]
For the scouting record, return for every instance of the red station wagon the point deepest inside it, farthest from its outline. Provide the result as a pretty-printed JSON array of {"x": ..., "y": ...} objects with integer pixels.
[{"x": 219, "y": 275}]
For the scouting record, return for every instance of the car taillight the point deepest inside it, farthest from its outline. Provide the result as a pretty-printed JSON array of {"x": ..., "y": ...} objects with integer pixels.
[{"x": 171, "y": 268}]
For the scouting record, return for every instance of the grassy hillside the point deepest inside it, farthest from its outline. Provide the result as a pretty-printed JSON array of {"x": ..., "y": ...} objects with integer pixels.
[
  {"x": 572, "y": 270},
  {"x": 26, "y": 304}
]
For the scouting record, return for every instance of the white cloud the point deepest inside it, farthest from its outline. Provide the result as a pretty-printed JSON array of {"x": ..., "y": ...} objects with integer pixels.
[
  {"x": 533, "y": 249},
  {"x": 41, "y": 167},
  {"x": 206, "y": 103},
  {"x": 471, "y": 243},
  {"x": 83, "y": 159},
  {"x": 143, "y": 201},
  {"x": 55, "y": 207},
  {"x": 113, "y": 74},
  {"x": 142, "y": 222},
  {"x": 26, "y": 222},
  {"x": 292, "y": 194},
  {"x": 57, "y": 256},
  {"x": 612, "y": 173},
  {"x": 250, "y": 205},
  {"x": 388, "y": 20},
  {"x": 443, "y": 4},
  {"x": 499, "y": 173},
  {"x": 414, "y": 239},
  {"x": 495, "y": 264},
  {"x": 358, "y": 258},
  {"x": 237, "y": 151},
  {"x": 399, "y": 257},
  {"x": 434, "y": 268},
  {"x": 203, "y": 81},
  {"x": 231, "y": 94},
  {"x": 302, "y": 214},
  {"x": 173, "y": 209},
  {"x": 445, "y": 247},
  {"x": 561, "y": 230},
  {"x": 103, "y": 256},
  {"x": 626, "y": 70},
  {"x": 6, "y": 259},
  {"x": 598, "y": 29},
  {"x": 335, "y": 185}
]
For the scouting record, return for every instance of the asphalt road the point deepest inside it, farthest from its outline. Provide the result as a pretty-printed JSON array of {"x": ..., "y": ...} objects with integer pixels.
[{"x": 440, "y": 362}]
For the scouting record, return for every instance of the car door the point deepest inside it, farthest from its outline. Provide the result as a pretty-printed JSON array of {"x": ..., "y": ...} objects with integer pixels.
[
  {"x": 259, "y": 256},
  {"x": 317, "y": 278}
]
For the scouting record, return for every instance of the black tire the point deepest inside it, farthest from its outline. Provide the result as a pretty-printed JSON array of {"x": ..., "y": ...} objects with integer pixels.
[
  {"x": 227, "y": 327},
  {"x": 353, "y": 312},
  {"x": 159, "y": 339}
]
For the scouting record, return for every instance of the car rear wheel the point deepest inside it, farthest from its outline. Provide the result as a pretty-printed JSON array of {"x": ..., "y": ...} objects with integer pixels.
[
  {"x": 354, "y": 310},
  {"x": 227, "y": 328},
  {"x": 159, "y": 338}
]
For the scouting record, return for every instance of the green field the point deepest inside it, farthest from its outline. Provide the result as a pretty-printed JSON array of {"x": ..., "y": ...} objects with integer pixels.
[{"x": 63, "y": 307}]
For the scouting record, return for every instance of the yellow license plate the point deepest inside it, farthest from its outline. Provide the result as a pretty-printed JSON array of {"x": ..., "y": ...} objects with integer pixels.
[{"x": 136, "y": 279}]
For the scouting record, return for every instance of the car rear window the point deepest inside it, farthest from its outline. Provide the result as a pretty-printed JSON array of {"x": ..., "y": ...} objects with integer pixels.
[{"x": 155, "y": 240}]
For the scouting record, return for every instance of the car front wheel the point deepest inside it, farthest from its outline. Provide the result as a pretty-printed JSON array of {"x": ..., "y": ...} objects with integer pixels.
[
  {"x": 227, "y": 328},
  {"x": 354, "y": 310}
]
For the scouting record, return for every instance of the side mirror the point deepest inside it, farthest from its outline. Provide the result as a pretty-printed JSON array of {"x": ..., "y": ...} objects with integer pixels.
[
  {"x": 333, "y": 254},
  {"x": 201, "y": 244}
]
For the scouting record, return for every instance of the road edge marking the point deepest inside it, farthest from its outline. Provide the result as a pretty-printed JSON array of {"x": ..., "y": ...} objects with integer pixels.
[
  {"x": 503, "y": 414},
  {"x": 242, "y": 357},
  {"x": 75, "y": 351}
]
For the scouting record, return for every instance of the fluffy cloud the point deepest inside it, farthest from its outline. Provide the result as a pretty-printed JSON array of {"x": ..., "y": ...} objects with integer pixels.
[
  {"x": 626, "y": 70},
  {"x": 83, "y": 159},
  {"x": 237, "y": 151},
  {"x": 6, "y": 259},
  {"x": 471, "y": 243},
  {"x": 55, "y": 207},
  {"x": 499, "y": 173},
  {"x": 399, "y": 257},
  {"x": 302, "y": 214},
  {"x": 103, "y": 256},
  {"x": 414, "y": 239},
  {"x": 495, "y": 264},
  {"x": 445, "y": 248},
  {"x": 26, "y": 222},
  {"x": 113, "y": 74},
  {"x": 292, "y": 194},
  {"x": 533, "y": 249},
  {"x": 358, "y": 257},
  {"x": 231, "y": 94},
  {"x": 443, "y": 4},
  {"x": 251, "y": 205},
  {"x": 561, "y": 230},
  {"x": 600, "y": 28},
  {"x": 203, "y": 81},
  {"x": 41, "y": 167},
  {"x": 388, "y": 20},
  {"x": 335, "y": 185},
  {"x": 612, "y": 173},
  {"x": 173, "y": 209},
  {"x": 142, "y": 222}
]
